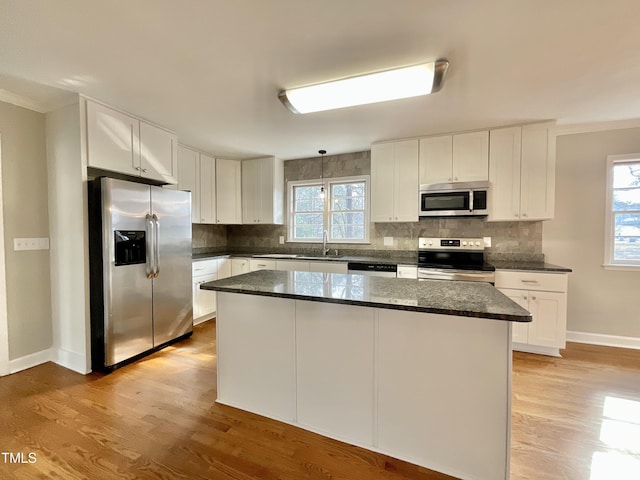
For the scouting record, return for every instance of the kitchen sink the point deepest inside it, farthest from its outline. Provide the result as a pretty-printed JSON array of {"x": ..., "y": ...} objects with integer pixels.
[{"x": 277, "y": 255}]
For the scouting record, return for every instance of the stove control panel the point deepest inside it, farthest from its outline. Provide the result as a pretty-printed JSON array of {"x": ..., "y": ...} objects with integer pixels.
[{"x": 473, "y": 244}]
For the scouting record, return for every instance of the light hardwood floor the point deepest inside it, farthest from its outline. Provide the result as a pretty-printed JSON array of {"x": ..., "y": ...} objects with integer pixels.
[{"x": 157, "y": 419}]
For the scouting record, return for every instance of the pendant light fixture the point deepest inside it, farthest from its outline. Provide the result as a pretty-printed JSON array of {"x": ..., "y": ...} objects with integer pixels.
[
  {"x": 373, "y": 87},
  {"x": 322, "y": 152}
]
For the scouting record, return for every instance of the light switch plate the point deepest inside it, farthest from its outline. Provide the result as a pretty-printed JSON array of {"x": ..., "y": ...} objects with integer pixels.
[
  {"x": 487, "y": 242},
  {"x": 31, "y": 243},
  {"x": 281, "y": 240},
  {"x": 388, "y": 241}
]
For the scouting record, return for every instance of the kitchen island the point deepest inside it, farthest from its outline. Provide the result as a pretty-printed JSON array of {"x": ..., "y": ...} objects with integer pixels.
[{"x": 419, "y": 370}]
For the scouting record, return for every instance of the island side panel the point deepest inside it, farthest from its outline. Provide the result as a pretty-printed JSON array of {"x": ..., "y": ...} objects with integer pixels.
[
  {"x": 444, "y": 386},
  {"x": 255, "y": 341},
  {"x": 335, "y": 370}
]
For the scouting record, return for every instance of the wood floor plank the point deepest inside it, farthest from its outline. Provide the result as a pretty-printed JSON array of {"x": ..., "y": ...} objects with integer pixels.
[{"x": 157, "y": 419}]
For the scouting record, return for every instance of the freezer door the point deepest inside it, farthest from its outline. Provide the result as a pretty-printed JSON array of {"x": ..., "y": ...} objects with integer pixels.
[
  {"x": 172, "y": 302},
  {"x": 128, "y": 324}
]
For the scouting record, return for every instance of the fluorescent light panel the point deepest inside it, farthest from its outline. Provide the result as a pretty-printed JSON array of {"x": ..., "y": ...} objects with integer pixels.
[{"x": 370, "y": 88}]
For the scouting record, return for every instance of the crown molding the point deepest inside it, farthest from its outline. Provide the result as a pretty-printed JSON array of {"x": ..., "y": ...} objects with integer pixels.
[
  {"x": 576, "y": 128},
  {"x": 20, "y": 101}
]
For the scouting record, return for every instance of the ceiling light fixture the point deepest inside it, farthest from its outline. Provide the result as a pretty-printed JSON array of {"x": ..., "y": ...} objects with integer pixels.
[
  {"x": 322, "y": 152},
  {"x": 369, "y": 88}
]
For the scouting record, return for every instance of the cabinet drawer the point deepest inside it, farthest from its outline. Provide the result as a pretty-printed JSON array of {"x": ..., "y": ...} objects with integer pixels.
[
  {"x": 549, "y": 282},
  {"x": 204, "y": 267}
]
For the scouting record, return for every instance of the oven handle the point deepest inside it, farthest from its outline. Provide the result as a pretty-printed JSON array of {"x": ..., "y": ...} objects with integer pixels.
[{"x": 438, "y": 274}]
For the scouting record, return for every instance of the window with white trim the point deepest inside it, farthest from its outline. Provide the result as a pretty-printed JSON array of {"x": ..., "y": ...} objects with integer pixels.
[
  {"x": 622, "y": 240},
  {"x": 343, "y": 213}
]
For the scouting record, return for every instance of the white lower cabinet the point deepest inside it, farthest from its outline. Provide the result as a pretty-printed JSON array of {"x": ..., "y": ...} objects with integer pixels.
[
  {"x": 261, "y": 264},
  {"x": 407, "y": 271},
  {"x": 203, "y": 271},
  {"x": 328, "y": 267},
  {"x": 292, "y": 265},
  {"x": 544, "y": 295},
  {"x": 239, "y": 266}
]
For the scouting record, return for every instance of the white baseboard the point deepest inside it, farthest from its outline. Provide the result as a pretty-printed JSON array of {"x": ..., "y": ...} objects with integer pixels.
[
  {"x": 71, "y": 360},
  {"x": 31, "y": 360},
  {"x": 203, "y": 319},
  {"x": 604, "y": 340},
  {"x": 524, "y": 347}
]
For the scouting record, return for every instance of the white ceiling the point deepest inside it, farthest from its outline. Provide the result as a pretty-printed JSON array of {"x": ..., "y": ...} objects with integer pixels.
[{"x": 211, "y": 69}]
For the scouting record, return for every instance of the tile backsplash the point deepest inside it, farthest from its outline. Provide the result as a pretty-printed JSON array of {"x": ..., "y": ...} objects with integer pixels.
[{"x": 509, "y": 240}]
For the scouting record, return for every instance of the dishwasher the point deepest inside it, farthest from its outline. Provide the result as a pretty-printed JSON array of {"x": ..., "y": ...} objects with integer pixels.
[{"x": 373, "y": 269}]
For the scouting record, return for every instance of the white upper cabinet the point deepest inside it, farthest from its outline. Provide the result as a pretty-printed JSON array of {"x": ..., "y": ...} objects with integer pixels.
[
  {"x": 262, "y": 191},
  {"x": 522, "y": 173},
  {"x": 158, "y": 153},
  {"x": 394, "y": 181},
  {"x": 112, "y": 140},
  {"x": 208, "y": 210},
  {"x": 122, "y": 143},
  {"x": 228, "y": 186},
  {"x": 454, "y": 158},
  {"x": 189, "y": 178}
]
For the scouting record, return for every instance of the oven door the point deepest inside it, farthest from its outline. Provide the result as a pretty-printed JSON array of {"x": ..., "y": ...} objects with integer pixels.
[{"x": 450, "y": 203}]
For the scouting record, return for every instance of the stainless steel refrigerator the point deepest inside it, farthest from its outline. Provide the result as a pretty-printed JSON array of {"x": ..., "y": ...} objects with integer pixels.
[{"x": 140, "y": 269}]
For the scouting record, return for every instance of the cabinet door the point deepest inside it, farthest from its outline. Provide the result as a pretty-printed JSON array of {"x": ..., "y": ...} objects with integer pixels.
[
  {"x": 224, "y": 267},
  {"x": 519, "y": 330},
  {"x": 328, "y": 267},
  {"x": 471, "y": 157},
  {"x": 537, "y": 196},
  {"x": 406, "y": 195},
  {"x": 204, "y": 301},
  {"x": 228, "y": 191},
  {"x": 549, "y": 319},
  {"x": 207, "y": 189},
  {"x": 436, "y": 154},
  {"x": 158, "y": 153},
  {"x": 250, "y": 192},
  {"x": 382, "y": 188},
  {"x": 239, "y": 266},
  {"x": 112, "y": 140},
  {"x": 292, "y": 265},
  {"x": 189, "y": 178},
  {"x": 504, "y": 174}
]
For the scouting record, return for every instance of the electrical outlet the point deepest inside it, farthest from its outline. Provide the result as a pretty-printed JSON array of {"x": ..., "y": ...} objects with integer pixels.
[
  {"x": 487, "y": 242},
  {"x": 281, "y": 240},
  {"x": 388, "y": 241},
  {"x": 31, "y": 243}
]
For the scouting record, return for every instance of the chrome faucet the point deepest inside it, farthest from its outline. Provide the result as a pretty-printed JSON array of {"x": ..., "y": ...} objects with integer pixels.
[{"x": 325, "y": 250}]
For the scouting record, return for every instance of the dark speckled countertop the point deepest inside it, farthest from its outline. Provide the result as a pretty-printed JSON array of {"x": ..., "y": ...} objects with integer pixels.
[
  {"x": 397, "y": 260},
  {"x": 467, "y": 299}
]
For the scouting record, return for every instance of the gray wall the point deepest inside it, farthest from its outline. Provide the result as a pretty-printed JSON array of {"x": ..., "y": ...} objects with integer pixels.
[
  {"x": 522, "y": 239},
  {"x": 600, "y": 301},
  {"x": 24, "y": 197}
]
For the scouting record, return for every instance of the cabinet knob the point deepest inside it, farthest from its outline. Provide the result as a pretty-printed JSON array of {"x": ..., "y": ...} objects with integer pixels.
[
  {"x": 144, "y": 170},
  {"x": 455, "y": 178},
  {"x": 137, "y": 168},
  {"x": 525, "y": 297},
  {"x": 449, "y": 179},
  {"x": 533, "y": 298},
  {"x": 390, "y": 218},
  {"x": 524, "y": 214}
]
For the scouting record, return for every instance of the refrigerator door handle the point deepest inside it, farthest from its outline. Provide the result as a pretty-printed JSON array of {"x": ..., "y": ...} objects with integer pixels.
[
  {"x": 156, "y": 245},
  {"x": 149, "y": 245}
]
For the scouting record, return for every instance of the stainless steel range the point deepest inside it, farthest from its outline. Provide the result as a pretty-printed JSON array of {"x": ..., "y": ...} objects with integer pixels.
[{"x": 453, "y": 259}]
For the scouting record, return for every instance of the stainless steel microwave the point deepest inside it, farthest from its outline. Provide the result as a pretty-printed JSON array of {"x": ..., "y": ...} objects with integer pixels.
[{"x": 454, "y": 199}]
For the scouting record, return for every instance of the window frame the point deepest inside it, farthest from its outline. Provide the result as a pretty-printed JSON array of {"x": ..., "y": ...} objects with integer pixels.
[
  {"x": 326, "y": 214},
  {"x": 609, "y": 262}
]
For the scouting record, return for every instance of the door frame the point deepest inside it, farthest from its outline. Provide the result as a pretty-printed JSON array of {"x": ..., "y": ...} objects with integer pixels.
[{"x": 4, "y": 324}]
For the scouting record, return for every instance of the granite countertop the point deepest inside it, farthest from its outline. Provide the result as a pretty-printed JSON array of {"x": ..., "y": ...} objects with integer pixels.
[
  {"x": 533, "y": 266},
  {"x": 393, "y": 260},
  {"x": 467, "y": 299}
]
